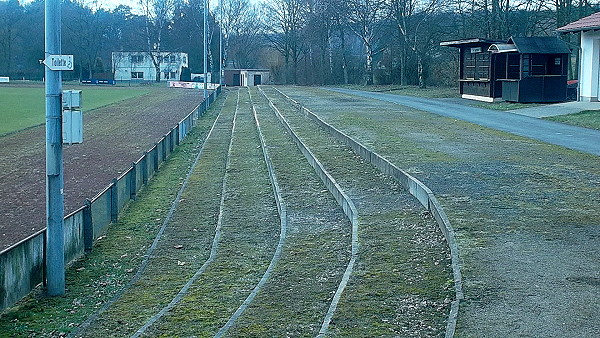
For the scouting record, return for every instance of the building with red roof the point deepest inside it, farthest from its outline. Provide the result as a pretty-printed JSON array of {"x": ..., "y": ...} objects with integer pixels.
[{"x": 589, "y": 55}]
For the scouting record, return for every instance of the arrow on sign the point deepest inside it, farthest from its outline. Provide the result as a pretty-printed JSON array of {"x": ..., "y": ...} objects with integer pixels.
[{"x": 59, "y": 62}]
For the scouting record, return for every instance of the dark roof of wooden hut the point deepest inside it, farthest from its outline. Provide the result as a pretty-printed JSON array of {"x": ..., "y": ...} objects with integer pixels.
[{"x": 539, "y": 45}]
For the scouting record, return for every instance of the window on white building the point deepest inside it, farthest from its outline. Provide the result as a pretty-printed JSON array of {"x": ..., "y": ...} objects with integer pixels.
[
  {"x": 137, "y": 58},
  {"x": 137, "y": 75}
]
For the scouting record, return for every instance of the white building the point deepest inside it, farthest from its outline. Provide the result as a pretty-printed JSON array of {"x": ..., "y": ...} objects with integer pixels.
[
  {"x": 139, "y": 66},
  {"x": 589, "y": 55},
  {"x": 246, "y": 77}
]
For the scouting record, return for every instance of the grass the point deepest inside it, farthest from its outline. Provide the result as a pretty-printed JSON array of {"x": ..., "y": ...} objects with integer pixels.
[
  {"x": 184, "y": 246},
  {"x": 429, "y": 92},
  {"x": 586, "y": 119},
  {"x": 403, "y": 260},
  {"x": 297, "y": 296},
  {"x": 24, "y": 107},
  {"x": 505, "y": 106},
  {"x": 247, "y": 237},
  {"x": 492, "y": 185}
]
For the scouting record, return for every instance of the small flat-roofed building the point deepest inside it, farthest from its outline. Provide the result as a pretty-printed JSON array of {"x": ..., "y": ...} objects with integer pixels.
[
  {"x": 589, "y": 57},
  {"x": 246, "y": 77}
]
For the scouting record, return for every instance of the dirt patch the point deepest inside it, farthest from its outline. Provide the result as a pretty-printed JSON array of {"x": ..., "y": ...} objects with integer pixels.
[{"x": 114, "y": 137}]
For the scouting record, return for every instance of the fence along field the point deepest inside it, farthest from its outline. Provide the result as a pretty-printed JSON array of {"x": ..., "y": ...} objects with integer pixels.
[{"x": 22, "y": 265}]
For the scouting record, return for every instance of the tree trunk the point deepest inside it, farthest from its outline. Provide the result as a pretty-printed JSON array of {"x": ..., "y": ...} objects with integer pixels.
[
  {"x": 420, "y": 71},
  {"x": 9, "y": 51},
  {"x": 344, "y": 59},
  {"x": 369, "y": 66},
  {"x": 330, "y": 55},
  {"x": 403, "y": 53},
  {"x": 295, "y": 68},
  {"x": 91, "y": 69}
]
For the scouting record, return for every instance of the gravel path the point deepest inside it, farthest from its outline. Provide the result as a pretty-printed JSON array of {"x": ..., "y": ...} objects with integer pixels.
[{"x": 525, "y": 213}]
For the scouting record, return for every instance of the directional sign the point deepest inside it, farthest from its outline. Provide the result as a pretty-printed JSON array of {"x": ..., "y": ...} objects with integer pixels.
[{"x": 59, "y": 62}]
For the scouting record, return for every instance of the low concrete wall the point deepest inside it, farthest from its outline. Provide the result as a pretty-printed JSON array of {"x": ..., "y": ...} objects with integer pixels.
[
  {"x": 416, "y": 188},
  {"x": 21, "y": 269}
]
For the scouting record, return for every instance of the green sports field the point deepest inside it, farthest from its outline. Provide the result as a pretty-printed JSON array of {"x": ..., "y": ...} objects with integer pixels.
[{"x": 24, "y": 107}]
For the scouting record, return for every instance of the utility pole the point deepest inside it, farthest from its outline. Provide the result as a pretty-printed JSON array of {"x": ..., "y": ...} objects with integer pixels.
[
  {"x": 55, "y": 261},
  {"x": 205, "y": 51},
  {"x": 220, "y": 42}
]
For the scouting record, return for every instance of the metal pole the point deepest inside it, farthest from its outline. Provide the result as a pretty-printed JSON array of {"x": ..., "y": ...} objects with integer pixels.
[
  {"x": 220, "y": 42},
  {"x": 205, "y": 52},
  {"x": 55, "y": 261}
]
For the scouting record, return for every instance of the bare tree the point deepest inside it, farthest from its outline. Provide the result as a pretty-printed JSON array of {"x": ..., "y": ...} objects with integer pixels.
[
  {"x": 411, "y": 18},
  {"x": 366, "y": 21},
  {"x": 288, "y": 18},
  {"x": 159, "y": 16},
  {"x": 242, "y": 28}
]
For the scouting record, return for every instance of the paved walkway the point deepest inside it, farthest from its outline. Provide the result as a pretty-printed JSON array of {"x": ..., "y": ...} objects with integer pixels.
[
  {"x": 557, "y": 109},
  {"x": 521, "y": 123}
]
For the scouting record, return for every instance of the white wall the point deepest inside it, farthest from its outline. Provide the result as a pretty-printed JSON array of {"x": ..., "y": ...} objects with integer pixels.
[
  {"x": 590, "y": 64},
  {"x": 123, "y": 67},
  {"x": 247, "y": 77}
]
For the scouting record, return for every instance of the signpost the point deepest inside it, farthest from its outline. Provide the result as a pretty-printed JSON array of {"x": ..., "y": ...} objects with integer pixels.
[{"x": 59, "y": 62}]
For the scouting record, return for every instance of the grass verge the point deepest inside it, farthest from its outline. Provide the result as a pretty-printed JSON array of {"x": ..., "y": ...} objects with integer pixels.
[
  {"x": 505, "y": 106},
  {"x": 586, "y": 119},
  {"x": 429, "y": 92}
]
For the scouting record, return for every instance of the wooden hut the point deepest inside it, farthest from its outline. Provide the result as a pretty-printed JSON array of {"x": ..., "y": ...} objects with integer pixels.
[
  {"x": 477, "y": 78},
  {"x": 532, "y": 69},
  {"x": 524, "y": 69}
]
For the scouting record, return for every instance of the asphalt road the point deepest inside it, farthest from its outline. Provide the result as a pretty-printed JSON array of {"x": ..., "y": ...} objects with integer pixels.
[{"x": 582, "y": 139}]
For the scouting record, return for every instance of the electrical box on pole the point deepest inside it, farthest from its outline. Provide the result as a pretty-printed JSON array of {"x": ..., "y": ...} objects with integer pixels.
[
  {"x": 72, "y": 117},
  {"x": 71, "y": 99}
]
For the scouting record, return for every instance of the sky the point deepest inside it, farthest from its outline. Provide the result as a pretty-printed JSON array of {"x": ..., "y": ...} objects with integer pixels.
[{"x": 110, "y": 4}]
